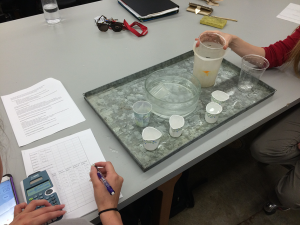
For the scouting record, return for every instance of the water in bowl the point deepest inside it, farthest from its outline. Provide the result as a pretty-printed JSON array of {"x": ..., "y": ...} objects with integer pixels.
[{"x": 173, "y": 95}]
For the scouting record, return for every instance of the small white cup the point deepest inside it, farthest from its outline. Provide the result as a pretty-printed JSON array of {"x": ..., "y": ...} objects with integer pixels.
[
  {"x": 219, "y": 97},
  {"x": 176, "y": 125},
  {"x": 151, "y": 137},
  {"x": 212, "y": 112}
]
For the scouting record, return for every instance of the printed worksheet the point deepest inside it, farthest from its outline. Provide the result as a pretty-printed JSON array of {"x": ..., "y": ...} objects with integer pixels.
[
  {"x": 69, "y": 160},
  {"x": 291, "y": 13},
  {"x": 41, "y": 110}
]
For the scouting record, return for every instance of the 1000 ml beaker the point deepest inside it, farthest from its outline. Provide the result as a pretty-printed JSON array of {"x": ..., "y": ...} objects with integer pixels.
[{"x": 208, "y": 58}]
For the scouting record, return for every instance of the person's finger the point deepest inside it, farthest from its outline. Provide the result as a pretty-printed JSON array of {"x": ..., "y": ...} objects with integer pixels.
[
  {"x": 198, "y": 42},
  {"x": 101, "y": 168},
  {"x": 19, "y": 208},
  {"x": 33, "y": 204},
  {"x": 103, "y": 171},
  {"x": 100, "y": 164},
  {"x": 47, "y": 216},
  {"x": 107, "y": 165},
  {"x": 94, "y": 177},
  {"x": 211, "y": 31},
  {"x": 44, "y": 210}
]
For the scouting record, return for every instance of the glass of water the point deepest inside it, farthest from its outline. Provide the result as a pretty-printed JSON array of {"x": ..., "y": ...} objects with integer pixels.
[
  {"x": 253, "y": 67},
  {"x": 51, "y": 11}
]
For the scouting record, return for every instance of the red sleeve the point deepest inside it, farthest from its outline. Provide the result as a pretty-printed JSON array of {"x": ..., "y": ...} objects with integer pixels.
[{"x": 277, "y": 53}]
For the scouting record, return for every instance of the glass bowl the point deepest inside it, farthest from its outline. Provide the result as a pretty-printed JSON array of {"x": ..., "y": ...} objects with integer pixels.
[{"x": 172, "y": 92}]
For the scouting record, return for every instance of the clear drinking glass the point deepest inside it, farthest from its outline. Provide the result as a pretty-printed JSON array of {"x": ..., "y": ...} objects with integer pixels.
[
  {"x": 51, "y": 11},
  {"x": 253, "y": 67}
]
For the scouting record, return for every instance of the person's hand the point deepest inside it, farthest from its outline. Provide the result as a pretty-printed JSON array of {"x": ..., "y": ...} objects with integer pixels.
[
  {"x": 26, "y": 214},
  {"x": 103, "y": 199},
  {"x": 228, "y": 38}
]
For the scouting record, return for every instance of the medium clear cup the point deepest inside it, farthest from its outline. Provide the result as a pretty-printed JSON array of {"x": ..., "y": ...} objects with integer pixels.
[
  {"x": 253, "y": 67},
  {"x": 51, "y": 11}
]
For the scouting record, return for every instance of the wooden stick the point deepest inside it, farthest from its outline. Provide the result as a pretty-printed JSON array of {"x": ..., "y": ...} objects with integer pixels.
[{"x": 224, "y": 18}]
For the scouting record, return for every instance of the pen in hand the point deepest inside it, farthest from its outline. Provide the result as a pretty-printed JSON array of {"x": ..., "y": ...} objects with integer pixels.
[{"x": 106, "y": 184}]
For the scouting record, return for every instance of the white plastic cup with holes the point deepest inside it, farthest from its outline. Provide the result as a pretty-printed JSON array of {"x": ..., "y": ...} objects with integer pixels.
[
  {"x": 151, "y": 137},
  {"x": 219, "y": 97},
  {"x": 176, "y": 125},
  {"x": 213, "y": 111},
  {"x": 142, "y": 111}
]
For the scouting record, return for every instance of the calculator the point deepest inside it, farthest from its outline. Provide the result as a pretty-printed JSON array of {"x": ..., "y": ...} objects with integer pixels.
[{"x": 39, "y": 186}]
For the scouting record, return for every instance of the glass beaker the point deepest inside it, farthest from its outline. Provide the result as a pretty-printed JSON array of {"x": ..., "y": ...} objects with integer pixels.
[
  {"x": 51, "y": 11},
  {"x": 253, "y": 67},
  {"x": 208, "y": 58}
]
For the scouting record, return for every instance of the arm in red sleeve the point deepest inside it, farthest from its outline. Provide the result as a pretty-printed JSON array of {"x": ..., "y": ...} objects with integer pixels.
[{"x": 277, "y": 53}]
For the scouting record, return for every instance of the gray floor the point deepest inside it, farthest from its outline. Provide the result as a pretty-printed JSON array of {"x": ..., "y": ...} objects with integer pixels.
[{"x": 236, "y": 190}]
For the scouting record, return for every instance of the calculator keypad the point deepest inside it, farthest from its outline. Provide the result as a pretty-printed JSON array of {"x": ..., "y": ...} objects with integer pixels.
[{"x": 52, "y": 199}]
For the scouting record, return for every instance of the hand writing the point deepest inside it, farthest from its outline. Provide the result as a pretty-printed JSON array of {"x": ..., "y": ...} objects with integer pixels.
[{"x": 103, "y": 199}]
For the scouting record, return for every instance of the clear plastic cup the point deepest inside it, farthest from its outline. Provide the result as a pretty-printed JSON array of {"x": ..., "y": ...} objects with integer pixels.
[
  {"x": 253, "y": 67},
  {"x": 142, "y": 111},
  {"x": 51, "y": 11}
]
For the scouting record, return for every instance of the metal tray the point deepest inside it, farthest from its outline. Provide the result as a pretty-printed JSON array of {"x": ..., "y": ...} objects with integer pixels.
[{"x": 113, "y": 103}]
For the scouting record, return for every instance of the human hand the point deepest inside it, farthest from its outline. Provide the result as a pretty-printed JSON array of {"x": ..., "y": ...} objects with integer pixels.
[
  {"x": 103, "y": 199},
  {"x": 26, "y": 214},
  {"x": 228, "y": 38}
]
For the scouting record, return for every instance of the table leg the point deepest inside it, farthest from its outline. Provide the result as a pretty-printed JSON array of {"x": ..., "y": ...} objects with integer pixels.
[{"x": 163, "y": 207}]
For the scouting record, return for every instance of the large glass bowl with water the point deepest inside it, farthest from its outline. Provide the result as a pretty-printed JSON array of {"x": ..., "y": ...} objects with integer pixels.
[{"x": 172, "y": 92}]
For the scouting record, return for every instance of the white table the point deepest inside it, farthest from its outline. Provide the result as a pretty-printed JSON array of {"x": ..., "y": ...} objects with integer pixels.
[{"x": 83, "y": 58}]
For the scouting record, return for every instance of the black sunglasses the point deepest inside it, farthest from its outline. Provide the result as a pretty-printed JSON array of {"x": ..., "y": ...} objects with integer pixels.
[{"x": 103, "y": 24}]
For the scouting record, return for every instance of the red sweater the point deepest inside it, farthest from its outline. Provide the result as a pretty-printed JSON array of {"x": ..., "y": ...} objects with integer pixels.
[{"x": 277, "y": 53}]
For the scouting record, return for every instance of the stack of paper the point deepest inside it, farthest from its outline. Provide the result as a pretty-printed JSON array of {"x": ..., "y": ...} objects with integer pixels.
[
  {"x": 39, "y": 111},
  {"x": 149, "y": 9}
]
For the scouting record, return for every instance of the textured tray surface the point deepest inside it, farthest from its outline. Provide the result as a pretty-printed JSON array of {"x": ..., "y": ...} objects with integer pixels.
[{"x": 113, "y": 103}]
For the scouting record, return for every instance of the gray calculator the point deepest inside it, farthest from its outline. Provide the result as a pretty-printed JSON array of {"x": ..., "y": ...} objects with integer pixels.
[{"x": 40, "y": 186}]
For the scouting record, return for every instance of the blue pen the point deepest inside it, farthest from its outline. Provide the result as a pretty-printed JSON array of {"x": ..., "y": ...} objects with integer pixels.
[{"x": 106, "y": 184}]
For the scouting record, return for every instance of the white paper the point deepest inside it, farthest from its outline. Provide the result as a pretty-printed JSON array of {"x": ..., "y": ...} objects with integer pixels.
[
  {"x": 69, "y": 160},
  {"x": 291, "y": 13},
  {"x": 41, "y": 110}
]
